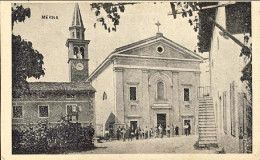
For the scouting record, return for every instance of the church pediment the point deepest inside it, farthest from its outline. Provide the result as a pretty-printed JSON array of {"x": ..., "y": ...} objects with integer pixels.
[{"x": 158, "y": 46}]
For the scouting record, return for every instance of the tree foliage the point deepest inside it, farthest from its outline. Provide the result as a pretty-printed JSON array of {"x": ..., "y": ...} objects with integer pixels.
[
  {"x": 112, "y": 18},
  {"x": 26, "y": 61}
]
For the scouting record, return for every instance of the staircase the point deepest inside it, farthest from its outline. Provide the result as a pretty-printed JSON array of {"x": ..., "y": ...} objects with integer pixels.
[{"x": 207, "y": 124}]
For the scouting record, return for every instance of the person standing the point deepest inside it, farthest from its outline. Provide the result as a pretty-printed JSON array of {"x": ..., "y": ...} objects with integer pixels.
[
  {"x": 186, "y": 129},
  {"x": 118, "y": 133},
  {"x": 123, "y": 133},
  {"x": 177, "y": 130},
  {"x": 168, "y": 131},
  {"x": 136, "y": 133},
  {"x": 161, "y": 131},
  {"x": 140, "y": 133},
  {"x": 172, "y": 131},
  {"x": 106, "y": 135},
  {"x": 189, "y": 128},
  {"x": 110, "y": 134},
  {"x": 151, "y": 133},
  {"x": 146, "y": 132},
  {"x": 157, "y": 131}
]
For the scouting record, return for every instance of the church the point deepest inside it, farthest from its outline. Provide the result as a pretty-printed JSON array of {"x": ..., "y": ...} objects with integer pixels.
[
  {"x": 51, "y": 100},
  {"x": 147, "y": 83}
]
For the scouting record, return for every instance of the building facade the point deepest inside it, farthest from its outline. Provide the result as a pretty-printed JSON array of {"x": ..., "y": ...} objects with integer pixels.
[
  {"x": 51, "y": 100},
  {"x": 147, "y": 83},
  {"x": 229, "y": 94}
]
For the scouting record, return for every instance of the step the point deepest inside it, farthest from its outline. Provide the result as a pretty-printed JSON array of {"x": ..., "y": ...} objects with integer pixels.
[
  {"x": 204, "y": 133},
  {"x": 208, "y": 139},
  {"x": 207, "y": 142},
  {"x": 206, "y": 119},
  {"x": 206, "y": 113},
  {"x": 207, "y": 126},
  {"x": 207, "y": 123},
  {"x": 207, "y": 131},
  {"x": 206, "y": 106},
  {"x": 205, "y": 103},
  {"x": 207, "y": 116}
]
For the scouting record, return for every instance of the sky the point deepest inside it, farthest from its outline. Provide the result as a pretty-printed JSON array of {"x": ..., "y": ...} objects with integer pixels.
[{"x": 136, "y": 23}]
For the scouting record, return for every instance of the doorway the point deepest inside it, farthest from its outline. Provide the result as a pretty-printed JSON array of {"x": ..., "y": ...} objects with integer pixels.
[
  {"x": 184, "y": 122},
  {"x": 161, "y": 120},
  {"x": 133, "y": 125}
]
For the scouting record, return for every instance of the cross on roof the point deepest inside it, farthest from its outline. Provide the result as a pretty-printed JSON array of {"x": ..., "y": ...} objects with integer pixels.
[{"x": 158, "y": 25}]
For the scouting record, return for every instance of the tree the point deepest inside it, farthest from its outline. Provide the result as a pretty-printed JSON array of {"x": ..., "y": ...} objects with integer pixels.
[{"x": 26, "y": 61}]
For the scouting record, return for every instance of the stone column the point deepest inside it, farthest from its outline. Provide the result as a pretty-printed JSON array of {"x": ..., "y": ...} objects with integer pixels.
[
  {"x": 145, "y": 100},
  {"x": 196, "y": 109},
  {"x": 119, "y": 96}
]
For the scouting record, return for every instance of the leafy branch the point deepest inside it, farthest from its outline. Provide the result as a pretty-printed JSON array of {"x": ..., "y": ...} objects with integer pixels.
[{"x": 112, "y": 14}]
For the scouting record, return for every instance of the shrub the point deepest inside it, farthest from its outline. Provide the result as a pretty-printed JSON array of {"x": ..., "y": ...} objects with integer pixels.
[{"x": 63, "y": 137}]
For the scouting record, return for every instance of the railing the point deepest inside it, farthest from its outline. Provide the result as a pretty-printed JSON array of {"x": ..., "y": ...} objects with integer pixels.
[{"x": 204, "y": 91}]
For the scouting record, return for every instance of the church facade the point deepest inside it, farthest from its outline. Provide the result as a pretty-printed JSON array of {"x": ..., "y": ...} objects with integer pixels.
[
  {"x": 147, "y": 83},
  {"x": 51, "y": 100}
]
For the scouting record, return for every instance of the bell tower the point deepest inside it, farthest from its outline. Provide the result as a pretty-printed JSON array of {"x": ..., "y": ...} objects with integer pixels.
[{"x": 77, "y": 49}]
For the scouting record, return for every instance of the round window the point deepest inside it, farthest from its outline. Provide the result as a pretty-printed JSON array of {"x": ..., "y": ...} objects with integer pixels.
[{"x": 160, "y": 49}]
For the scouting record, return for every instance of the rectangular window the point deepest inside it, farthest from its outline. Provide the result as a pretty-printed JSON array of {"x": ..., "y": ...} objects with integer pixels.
[
  {"x": 133, "y": 93},
  {"x": 43, "y": 111},
  {"x": 72, "y": 112},
  {"x": 186, "y": 94},
  {"x": 71, "y": 96},
  {"x": 17, "y": 111}
]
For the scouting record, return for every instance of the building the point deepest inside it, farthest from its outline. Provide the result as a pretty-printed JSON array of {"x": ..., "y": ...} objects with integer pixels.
[
  {"x": 147, "y": 83},
  {"x": 230, "y": 97},
  {"x": 51, "y": 100}
]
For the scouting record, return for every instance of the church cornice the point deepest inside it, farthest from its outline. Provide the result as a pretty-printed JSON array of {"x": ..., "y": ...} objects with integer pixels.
[
  {"x": 78, "y": 41},
  {"x": 112, "y": 57}
]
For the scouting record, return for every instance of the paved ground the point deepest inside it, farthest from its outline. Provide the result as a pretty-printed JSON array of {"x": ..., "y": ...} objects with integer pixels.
[{"x": 181, "y": 144}]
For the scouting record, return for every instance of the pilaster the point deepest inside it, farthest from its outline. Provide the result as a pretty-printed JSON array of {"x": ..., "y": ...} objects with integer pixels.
[
  {"x": 175, "y": 91},
  {"x": 196, "y": 109},
  {"x": 145, "y": 100},
  {"x": 119, "y": 95}
]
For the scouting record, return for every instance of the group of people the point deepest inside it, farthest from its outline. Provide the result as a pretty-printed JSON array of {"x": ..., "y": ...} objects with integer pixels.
[{"x": 131, "y": 133}]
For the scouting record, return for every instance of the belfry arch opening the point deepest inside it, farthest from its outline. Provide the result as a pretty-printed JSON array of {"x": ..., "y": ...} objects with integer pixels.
[{"x": 82, "y": 52}]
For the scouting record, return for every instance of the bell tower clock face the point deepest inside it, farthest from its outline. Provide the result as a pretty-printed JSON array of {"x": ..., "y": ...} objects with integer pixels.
[{"x": 79, "y": 66}]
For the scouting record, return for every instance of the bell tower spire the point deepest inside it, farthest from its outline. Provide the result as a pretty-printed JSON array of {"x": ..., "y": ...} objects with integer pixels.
[
  {"x": 77, "y": 28},
  {"x": 77, "y": 48}
]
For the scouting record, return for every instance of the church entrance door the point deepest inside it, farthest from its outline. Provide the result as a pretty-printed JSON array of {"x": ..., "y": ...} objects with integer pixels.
[
  {"x": 161, "y": 119},
  {"x": 133, "y": 125}
]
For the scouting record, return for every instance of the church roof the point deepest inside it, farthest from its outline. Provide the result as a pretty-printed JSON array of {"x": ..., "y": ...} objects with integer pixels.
[
  {"x": 61, "y": 86},
  {"x": 159, "y": 36},
  {"x": 77, "y": 19}
]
